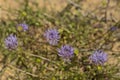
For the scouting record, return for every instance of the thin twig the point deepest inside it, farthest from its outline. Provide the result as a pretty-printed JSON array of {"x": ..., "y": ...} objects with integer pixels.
[
  {"x": 28, "y": 73},
  {"x": 43, "y": 58},
  {"x": 74, "y": 4},
  {"x": 106, "y": 10}
]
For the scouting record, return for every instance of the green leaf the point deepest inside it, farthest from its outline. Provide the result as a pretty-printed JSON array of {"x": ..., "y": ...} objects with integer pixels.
[
  {"x": 76, "y": 51},
  {"x": 99, "y": 68},
  {"x": 24, "y": 13},
  {"x": 53, "y": 78},
  {"x": 60, "y": 30},
  {"x": 38, "y": 60}
]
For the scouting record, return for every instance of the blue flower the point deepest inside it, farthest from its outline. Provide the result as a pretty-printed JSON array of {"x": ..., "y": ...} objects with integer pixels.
[
  {"x": 66, "y": 52},
  {"x": 113, "y": 28},
  {"x": 11, "y": 42},
  {"x": 98, "y": 57},
  {"x": 52, "y": 36},
  {"x": 23, "y": 27}
]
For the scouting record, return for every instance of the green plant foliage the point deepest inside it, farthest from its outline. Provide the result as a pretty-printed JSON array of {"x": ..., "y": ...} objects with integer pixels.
[{"x": 36, "y": 59}]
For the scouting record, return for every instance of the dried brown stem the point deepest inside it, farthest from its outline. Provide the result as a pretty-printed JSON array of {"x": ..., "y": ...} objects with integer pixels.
[{"x": 28, "y": 73}]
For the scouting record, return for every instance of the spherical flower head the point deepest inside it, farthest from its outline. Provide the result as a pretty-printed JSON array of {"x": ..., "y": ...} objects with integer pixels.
[
  {"x": 11, "y": 42},
  {"x": 98, "y": 57},
  {"x": 22, "y": 27},
  {"x": 66, "y": 52},
  {"x": 52, "y": 36}
]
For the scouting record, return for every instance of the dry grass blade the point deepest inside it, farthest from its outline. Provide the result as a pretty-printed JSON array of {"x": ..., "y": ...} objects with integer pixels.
[{"x": 28, "y": 73}]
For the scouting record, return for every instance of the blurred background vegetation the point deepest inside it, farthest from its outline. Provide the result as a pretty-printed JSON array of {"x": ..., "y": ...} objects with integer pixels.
[{"x": 83, "y": 24}]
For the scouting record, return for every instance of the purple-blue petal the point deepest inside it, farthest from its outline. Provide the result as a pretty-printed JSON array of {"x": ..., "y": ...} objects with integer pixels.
[
  {"x": 24, "y": 26},
  {"x": 52, "y": 36},
  {"x": 66, "y": 52},
  {"x": 11, "y": 42},
  {"x": 98, "y": 57}
]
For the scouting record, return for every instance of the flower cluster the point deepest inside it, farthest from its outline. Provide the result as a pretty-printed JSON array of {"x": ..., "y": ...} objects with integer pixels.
[
  {"x": 52, "y": 36},
  {"x": 11, "y": 42},
  {"x": 23, "y": 27},
  {"x": 66, "y": 52},
  {"x": 98, "y": 57}
]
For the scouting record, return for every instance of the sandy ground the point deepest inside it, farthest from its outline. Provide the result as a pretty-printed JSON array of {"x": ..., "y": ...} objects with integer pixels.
[{"x": 57, "y": 5}]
